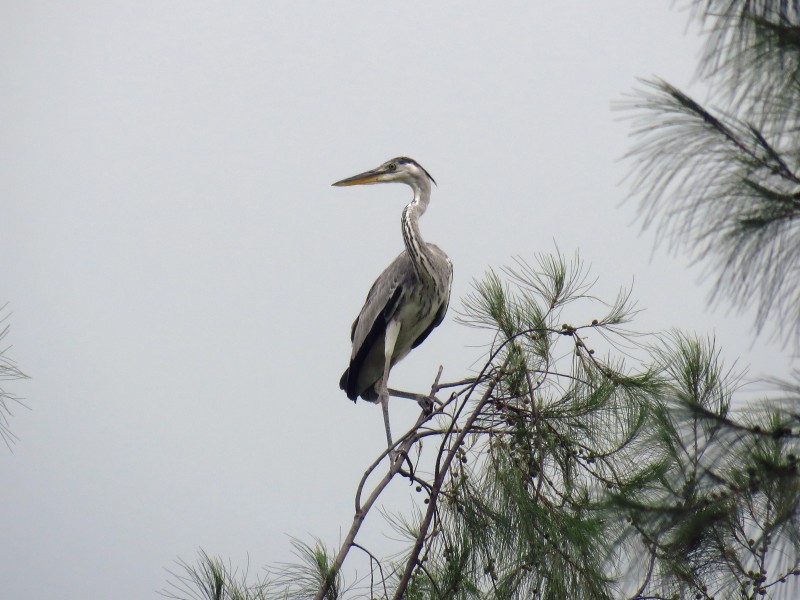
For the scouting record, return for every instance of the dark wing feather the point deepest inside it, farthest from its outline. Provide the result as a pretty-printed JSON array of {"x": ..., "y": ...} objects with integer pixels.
[{"x": 436, "y": 322}]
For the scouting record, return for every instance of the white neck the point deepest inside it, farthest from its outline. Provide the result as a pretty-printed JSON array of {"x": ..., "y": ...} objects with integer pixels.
[{"x": 415, "y": 246}]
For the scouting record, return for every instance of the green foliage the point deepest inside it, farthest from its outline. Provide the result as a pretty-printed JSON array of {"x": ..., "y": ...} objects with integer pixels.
[
  {"x": 520, "y": 514},
  {"x": 212, "y": 579},
  {"x": 720, "y": 509},
  {"x": 314, "y": 571},
  {"x": 726, "y": 181},
  {"x": 588, "y": 476},
  {"x": 558, "y": 473},
  {"x": 714, "y": 498},
  {"x": 8, "y": 371}
]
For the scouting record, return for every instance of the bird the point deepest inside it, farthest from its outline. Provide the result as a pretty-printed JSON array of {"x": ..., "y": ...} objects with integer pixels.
[{"x": 406, "y": 302}]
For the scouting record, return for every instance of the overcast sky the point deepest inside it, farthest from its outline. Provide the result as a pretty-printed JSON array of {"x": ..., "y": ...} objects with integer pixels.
[{"x": 182, "y": 278}]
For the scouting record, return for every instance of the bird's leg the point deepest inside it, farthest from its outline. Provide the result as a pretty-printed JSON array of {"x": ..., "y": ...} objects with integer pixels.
[
  {"x": 426, "y": 403},
  {"x": 385, "y": 407},
  {"x": 392, "y": 331}
]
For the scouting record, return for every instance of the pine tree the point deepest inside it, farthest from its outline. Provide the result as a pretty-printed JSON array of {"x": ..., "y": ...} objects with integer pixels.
[{"x": 725, "y": 182}]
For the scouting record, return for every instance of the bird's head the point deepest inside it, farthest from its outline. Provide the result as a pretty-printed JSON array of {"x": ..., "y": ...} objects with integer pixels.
[{"x": 400, "y": 169}]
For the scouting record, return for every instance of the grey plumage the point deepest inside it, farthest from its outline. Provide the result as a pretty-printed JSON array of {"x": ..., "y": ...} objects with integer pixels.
[
  {"x": 407, "y": 301},
  {"x": 397, "y": 287}
]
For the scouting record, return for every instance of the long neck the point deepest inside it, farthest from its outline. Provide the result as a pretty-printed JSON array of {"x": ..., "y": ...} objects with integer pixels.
[{"x": 417, "y": 248}]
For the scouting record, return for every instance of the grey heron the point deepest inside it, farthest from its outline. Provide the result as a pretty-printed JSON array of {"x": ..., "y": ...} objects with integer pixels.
[{"x": 406, "y": 302}]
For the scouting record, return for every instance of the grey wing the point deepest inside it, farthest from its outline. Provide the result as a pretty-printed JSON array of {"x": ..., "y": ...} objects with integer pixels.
[
  {"x": 381, "y": 299},
  {"x": 370, "y": 326}
]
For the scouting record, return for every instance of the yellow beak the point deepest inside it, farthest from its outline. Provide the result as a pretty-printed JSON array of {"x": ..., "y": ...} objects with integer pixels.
[{"x": 373, "y": 176}]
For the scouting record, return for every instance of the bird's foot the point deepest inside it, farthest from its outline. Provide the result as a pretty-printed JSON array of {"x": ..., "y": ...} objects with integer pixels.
[
  {"x": 397, "y": 457},
  {"x": 426, "y": 403}
]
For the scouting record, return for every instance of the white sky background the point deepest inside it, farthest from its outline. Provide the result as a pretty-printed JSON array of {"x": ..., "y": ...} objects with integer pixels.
[{"x": 182, "y": 277}]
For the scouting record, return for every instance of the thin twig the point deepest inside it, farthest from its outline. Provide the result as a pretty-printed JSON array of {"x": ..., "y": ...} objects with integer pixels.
[
  {"x": 413, "y": 559},
  {"x": 646, "y": 582},
  {"x": 362, "y": 510},
  {"x": 374, "y": 559}
]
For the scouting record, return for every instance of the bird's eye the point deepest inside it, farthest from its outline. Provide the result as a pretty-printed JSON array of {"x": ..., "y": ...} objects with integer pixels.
[{"x": 391, "y": 166}]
